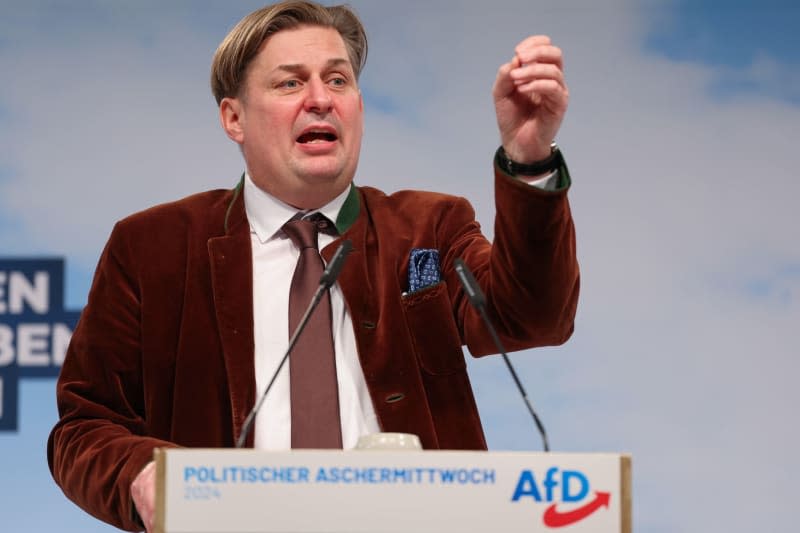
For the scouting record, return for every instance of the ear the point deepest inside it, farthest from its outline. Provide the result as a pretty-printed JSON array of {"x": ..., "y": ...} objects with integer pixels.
[{"x": 231, "y": 116}]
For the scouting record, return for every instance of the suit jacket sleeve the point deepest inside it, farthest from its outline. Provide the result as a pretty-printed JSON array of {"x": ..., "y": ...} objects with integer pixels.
[
  {"x": 530, "y": 274},
  {"x": 98, "y": 446}
]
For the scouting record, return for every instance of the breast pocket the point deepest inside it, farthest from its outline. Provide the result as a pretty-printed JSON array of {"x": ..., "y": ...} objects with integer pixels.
[{"x": 429, "y": 317}]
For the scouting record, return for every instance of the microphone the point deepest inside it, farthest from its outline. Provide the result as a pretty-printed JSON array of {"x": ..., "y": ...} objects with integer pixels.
[
  {"x": 478, "y": 301},
  {"x": 326, "y": 281},
  {"x": 331, "y": 272}
]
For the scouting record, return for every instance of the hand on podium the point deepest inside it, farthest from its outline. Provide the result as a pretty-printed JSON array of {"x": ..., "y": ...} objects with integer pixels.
[{"x": 143, "y": 493}]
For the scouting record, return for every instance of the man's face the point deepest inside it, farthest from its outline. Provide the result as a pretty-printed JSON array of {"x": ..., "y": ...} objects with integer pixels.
[{"x": 299, "y": 119}]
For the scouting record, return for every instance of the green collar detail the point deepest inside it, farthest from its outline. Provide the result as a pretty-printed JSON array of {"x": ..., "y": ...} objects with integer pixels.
[
  {"x": 347, "y": 214},
  {"x": 236, "y": 192},
  {"x": 349, "y": 211}
]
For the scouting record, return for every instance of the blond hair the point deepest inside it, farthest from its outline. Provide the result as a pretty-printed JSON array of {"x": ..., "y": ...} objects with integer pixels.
[{"x": 240, "y": 46}]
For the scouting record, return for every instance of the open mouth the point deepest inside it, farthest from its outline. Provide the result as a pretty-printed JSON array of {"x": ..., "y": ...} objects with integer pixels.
[{"x": 312, "y": 137}]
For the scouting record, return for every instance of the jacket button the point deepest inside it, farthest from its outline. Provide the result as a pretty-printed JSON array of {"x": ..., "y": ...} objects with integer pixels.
[{"x": 367, "y": 324}]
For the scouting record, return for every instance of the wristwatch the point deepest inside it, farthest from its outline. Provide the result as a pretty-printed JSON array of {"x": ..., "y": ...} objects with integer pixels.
[{"x": 549, "y": 164}]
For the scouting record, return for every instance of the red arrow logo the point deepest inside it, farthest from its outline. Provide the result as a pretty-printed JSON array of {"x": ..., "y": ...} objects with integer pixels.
[{"x": 553, "y": 518}]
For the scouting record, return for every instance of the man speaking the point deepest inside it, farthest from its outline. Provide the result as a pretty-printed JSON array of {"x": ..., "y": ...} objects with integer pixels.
[{"x": 193, "y": 302}]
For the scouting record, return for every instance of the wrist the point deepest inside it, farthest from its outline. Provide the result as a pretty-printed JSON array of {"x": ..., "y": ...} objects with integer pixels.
[
  {"x": 548, "y": 163},
  {"x": 527, "y": 157}
]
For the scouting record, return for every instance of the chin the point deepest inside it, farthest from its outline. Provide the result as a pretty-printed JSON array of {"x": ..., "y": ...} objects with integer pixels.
[{"x": 322, "y": 174}]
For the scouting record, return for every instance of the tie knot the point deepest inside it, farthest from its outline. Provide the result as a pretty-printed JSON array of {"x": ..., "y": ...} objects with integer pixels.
[{"x": 303, "y": 232}]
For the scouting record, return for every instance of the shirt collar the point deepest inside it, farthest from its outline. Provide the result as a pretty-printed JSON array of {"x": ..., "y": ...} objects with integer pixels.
[{"x": 266, "y": 214}]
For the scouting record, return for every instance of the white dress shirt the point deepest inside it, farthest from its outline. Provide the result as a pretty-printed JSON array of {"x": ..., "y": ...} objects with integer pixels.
[{"x": 274, "y": 261}]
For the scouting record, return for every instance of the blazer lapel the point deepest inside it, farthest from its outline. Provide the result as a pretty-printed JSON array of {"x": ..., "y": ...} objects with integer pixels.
[
  {"x": 388, "y": 370},
  {"x": 232, "y": 284},
  {"x": 355, "y": 281}
]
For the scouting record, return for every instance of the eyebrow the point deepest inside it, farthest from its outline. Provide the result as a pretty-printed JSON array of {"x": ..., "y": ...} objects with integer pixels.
[{"x": 297, "y": 67}]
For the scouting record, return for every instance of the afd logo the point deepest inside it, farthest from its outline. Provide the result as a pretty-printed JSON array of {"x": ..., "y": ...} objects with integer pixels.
[
  {"x": 560, "y": 487},
  {"x": 34, "y": 327}
]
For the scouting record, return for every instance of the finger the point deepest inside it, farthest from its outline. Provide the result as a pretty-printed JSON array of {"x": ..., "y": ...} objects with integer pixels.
[
  {"x": 541, "y": 54},
  {"x": 143, "y": 494},
  {"x": 532, "y": 41},
  {"x": 547, "y": 92},
  {"x": 503, "y": 84},
  {"x": 536, "y": 71}
]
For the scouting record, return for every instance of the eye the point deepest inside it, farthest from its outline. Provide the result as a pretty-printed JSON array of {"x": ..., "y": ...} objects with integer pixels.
[
  {"x": 289, "y": 84},
  {"x": 338, "y": 81}
]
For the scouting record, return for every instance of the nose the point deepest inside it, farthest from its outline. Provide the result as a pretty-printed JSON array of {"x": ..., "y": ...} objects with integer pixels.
[{"x": 318, "y": 99}]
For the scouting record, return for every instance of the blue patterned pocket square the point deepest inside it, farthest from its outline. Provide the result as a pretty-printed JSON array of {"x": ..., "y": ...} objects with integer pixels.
[{"x": 423, "y": 268}]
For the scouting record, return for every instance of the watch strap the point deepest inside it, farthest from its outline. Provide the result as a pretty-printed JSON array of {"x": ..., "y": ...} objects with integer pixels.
[{"x": 554, "y": 161}]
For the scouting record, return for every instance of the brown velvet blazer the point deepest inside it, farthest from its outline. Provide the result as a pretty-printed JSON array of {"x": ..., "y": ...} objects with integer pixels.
[{"x": 163, "y": 353}]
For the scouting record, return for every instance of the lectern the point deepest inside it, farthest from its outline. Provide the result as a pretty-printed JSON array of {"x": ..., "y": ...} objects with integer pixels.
[{"x": 316, "y": 491}]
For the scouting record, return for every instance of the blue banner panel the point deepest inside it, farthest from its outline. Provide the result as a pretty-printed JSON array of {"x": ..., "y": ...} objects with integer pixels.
[{"x": 35, "y": 329}]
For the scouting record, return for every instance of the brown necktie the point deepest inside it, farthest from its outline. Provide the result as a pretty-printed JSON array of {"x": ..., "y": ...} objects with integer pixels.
[{"x": 312, "y": 365}]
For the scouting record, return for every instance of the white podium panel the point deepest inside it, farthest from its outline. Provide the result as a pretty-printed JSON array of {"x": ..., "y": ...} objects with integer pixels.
[{"x": 315, "y": 491}]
